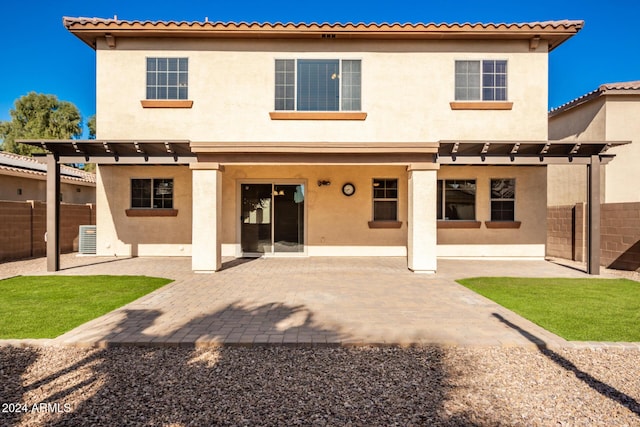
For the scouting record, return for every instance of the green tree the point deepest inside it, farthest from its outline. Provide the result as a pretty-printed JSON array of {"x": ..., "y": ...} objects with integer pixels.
[
  {"x": 91, "y": 124},
  {"x": 36, "y": 116}
]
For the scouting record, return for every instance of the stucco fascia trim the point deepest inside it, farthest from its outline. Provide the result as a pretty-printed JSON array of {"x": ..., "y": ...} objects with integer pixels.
[{"x": 315, "y": 147}]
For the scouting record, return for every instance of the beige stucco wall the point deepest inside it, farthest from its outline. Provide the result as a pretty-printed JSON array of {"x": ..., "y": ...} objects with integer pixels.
[
  {"x": 568, "y": 183},
  {"x": 118, "y": 234},
  {"x": 336, "y": 224},
  {"x": 406, "y": 90},
  {"x": 528, "y": 241},
  {"x": 36, "y": 189},
  {"x": 606, "y": 118},
  {"x": 623, "y": 173}
]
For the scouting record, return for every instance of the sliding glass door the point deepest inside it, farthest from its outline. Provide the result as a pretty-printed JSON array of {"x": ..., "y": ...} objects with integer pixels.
[{"x": 272, "y": 218}]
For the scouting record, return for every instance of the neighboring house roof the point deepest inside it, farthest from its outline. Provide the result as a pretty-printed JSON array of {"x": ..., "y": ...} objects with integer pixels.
[
  {"x": 17, "y": 165},
  {"x": 554, "y": 32},
  {"x": 620, "y": 88}
]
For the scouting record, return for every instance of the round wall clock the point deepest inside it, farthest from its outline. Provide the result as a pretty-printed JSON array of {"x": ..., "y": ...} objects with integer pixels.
[{"x": 348, "y": 189}]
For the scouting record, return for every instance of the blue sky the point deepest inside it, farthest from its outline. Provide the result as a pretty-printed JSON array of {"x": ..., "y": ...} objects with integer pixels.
[{"x": 40, "y": 55}]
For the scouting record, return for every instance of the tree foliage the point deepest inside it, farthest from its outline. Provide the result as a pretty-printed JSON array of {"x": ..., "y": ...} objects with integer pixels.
[
  {"x": 91, "y": 124},
  {"x": 36, "y": 116}
]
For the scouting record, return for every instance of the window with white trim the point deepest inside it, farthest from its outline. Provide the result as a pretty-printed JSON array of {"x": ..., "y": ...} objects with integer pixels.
[
  {"x": 503, "y": 199},
  {"x": 167, "y": 78},
  {"x": 152, "y": 193},
  {"x": 318, "y": 85},
  {"x": 484, "y": 80},
  {"x": 456, "y": 199},
  {"x": 385, "y": 199}
]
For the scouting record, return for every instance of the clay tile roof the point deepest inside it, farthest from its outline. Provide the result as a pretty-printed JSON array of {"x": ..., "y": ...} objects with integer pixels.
[
  {"x": 89, "y": 29},
  {"x": 619, "y": 88},
  {"x": 633, "y": 85},
  {"x": 16, "y": 164}
]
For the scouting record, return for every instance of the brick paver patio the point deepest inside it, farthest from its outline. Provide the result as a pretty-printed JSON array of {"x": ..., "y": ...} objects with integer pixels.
[{"x": 317, "y": 301}]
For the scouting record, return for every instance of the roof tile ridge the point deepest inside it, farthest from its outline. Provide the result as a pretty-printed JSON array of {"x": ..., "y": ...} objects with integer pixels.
[{"x": 19, "y": 156}]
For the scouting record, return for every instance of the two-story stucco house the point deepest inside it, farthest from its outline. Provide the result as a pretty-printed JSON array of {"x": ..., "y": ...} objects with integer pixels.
[
  {"x": 247, "y": 139},
  {"x": 609, "y": 113}
]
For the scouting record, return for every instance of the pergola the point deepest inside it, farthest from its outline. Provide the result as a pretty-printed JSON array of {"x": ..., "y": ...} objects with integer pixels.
[{"x": 591, "y": 154}]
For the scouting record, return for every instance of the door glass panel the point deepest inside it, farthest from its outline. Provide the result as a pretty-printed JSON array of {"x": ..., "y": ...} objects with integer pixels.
[
  {"x": 288, "y": 216},
  {"x": 256, "y": 218}
]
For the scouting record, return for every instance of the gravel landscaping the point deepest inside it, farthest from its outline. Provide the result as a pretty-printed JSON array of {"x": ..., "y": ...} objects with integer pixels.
[{"x": 319, "y": 386}]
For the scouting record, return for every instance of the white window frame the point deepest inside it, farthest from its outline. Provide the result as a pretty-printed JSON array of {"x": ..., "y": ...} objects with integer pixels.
[
  {"x": 386, "y": 199},
  {"x": 502, "y": 199},
  {"x": 442, "y": 186},
  {"x": 167, "y": 86},
  {"x": 482, "y": 87},
  {"x": 295, "y": 79},
  {"x": 152, "y": 180}
]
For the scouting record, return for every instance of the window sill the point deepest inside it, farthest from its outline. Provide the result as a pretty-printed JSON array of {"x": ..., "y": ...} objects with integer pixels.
[
  {"x": 166, "y": 103},
  {"x": 151, "y": 212},
  {"x": 385, "y": 224},
  {"x": 481, "y": 105},
  {"x": 458, "y": 224},
  {"x": 502, "y": 224},
  {"x": 312, "y": 115}
]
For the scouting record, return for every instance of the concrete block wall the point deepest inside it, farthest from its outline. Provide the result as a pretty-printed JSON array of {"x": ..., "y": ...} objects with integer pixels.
[
  {"x": 15, "y": 230},
  {"x": 23, "y": 226},
  {"x": 39, "y": 228},
  {"x": 560, "y": 227},
  {"x": 619, "y": 234}
]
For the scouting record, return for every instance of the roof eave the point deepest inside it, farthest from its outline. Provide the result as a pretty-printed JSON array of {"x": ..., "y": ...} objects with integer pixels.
[{"x": 554, "y": 33}]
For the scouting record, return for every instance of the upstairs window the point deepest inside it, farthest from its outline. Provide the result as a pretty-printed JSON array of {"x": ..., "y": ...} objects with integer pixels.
[
  {"x": 167, "y": 78},
  {"x": 503, "y": 199},
  {"x": 318, "y": 85},
  {"x": 156, "y": 193},
  {"x": 456, "y": 199},
  {"x": 481, "y": 80}
]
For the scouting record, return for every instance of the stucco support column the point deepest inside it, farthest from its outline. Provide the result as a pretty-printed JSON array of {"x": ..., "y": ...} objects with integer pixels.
[
  {"x": 207, "y": 217},
  {"x": 422, "y": 222},
  {"x": 593, "y": 219},
  {"x": 53, "y": 213}
]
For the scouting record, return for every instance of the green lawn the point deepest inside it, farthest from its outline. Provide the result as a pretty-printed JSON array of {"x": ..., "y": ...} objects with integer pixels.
[
  {"x": 48, "y": 306},
  {"x": 575, "y": 309}
]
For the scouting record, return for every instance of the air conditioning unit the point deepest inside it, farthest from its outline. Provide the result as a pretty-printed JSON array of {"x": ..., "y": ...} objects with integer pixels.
[{"x": 87, "y": 239}]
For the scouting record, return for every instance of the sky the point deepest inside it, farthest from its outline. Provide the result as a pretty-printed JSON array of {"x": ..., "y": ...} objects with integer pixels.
[{"x": 40, "y": 55}]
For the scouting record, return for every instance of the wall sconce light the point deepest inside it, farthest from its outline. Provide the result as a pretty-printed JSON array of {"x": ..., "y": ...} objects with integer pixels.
[
  {"x": 19, "y": 191},
  {"x": 322, "y": 182}
]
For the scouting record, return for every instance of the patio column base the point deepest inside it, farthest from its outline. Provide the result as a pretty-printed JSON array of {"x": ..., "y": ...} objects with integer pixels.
[{"x": 427, "y": 272}]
